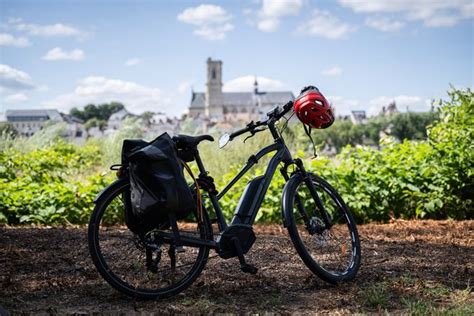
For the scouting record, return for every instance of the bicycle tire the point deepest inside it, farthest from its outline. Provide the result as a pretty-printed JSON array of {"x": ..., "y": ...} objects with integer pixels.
[
  {"x": 105, "y": 199},
  {"x": 301, "y": 237}
]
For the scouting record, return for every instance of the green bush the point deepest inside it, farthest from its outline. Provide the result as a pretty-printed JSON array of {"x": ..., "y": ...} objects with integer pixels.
[
  {"x": 45, "y": 180},
  {"x": 412, "y": 179},
  {"x": 50, "y": 185}
]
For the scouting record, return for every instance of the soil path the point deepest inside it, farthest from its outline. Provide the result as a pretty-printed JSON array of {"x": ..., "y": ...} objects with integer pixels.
[{"x": 405, "y": 262}]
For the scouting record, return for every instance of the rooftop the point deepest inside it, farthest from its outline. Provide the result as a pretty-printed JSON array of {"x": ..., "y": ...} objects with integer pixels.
[
  {"x": 245, "y": 99},
  {"x": 34, "y": 113}
]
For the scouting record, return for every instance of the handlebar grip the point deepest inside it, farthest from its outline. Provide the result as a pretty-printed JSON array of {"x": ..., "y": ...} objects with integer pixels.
[{"x": 239, "y": 132}]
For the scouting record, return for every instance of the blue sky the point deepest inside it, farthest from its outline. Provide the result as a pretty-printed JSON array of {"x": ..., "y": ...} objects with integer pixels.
[{"x": 362, "y": 54}]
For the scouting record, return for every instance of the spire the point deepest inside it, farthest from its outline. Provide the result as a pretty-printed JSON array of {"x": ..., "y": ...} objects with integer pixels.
[{"x": 255, "y": 86}]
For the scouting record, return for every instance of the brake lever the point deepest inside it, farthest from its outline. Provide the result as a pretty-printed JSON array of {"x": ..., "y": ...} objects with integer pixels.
[{"x": 253, "y": 132}]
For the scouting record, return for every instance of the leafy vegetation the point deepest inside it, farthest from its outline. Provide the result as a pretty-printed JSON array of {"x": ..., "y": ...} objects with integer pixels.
[
  {"x": 401, "y": 126},
  {"x": 45, "y": 180}
]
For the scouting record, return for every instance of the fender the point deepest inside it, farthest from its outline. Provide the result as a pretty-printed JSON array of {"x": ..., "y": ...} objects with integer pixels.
[
  {"x": 287, "y": 200},
  {"x": 117, "y": 184}
]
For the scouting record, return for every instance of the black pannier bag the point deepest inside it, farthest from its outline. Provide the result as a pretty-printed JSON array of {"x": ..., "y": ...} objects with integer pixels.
[{"x": 157, "y": 184}]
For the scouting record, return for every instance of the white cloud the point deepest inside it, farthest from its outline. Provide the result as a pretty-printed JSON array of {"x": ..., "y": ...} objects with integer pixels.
[
  {"x": 333, "y": 71},
  {"x": 14, "y": 79},
  {"x": 10, "y": 40},
  {"x": 246, "y": 84},
  {"x": 212, "y": 21},
  {"x": 16, "y": 98},
  {"x": 467, "y": 10},
  {"x": 414, "y": 103},
  {"x": 433, "y": 13},
  {"x": 58, "y": 53},
  {"x": 343, "y": 106},
  {"x": 184, "y": 87},
  {"x": 95, "y": 89},
  {"x": 133, "y": 62},
  {"x": 444, "y": 20},
  {"x": 273, "y": 10},
  {"x": 52, "y": 30},
  {"x": 324, "y": 24},
  {"x": 268, "y": 25},
  {"x": 384, "y": 24}
]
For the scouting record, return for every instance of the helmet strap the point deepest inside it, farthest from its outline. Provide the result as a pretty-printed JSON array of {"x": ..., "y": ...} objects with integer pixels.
[{"x": 307, "y": 130}]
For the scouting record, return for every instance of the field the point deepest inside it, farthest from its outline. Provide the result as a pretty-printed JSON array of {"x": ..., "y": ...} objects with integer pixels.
[{"x": 413, "y": 267}]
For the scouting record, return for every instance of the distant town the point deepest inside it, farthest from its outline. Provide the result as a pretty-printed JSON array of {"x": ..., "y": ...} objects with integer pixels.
[{"x": 210, "y": 109}]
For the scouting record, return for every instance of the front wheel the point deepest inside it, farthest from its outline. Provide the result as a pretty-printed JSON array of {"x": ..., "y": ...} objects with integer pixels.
[{"x": 332, "y": 253}]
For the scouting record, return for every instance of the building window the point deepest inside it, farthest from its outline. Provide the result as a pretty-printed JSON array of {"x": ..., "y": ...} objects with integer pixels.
[{"x": 213, "y": 73}]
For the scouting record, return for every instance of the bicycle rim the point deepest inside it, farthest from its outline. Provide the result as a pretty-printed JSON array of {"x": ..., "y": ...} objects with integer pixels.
[
  {"x": 333, "y": 254},
  {"x": 121, "y": 257}
]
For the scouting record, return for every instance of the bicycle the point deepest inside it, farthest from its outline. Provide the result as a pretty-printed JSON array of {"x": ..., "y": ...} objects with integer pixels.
[{"x": 321, "y": 227}]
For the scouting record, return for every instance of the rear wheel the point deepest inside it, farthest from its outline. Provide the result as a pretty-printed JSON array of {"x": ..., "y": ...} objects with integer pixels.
[
  {"x": 147, "y": 268},
  {"x": 331, "y": 253}
]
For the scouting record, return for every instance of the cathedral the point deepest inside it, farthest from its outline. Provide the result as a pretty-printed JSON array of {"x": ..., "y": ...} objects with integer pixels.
[{"x": 232, "y": 106}]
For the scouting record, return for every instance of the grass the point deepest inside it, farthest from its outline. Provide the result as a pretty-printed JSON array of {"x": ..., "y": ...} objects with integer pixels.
[
  {"x": 419, "y": 298},
  {"x": 376, "y": 296}
]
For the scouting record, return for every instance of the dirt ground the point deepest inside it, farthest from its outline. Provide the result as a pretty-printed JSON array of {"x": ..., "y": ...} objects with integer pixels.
[{"x": 408, "y": 267}]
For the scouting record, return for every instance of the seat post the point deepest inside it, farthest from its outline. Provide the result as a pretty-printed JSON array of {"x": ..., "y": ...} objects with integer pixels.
[{"x": 202, "y": 172}]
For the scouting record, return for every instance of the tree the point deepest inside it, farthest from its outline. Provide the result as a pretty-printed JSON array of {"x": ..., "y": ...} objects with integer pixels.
[
  {"x": 101, "y": 112},
  {"x": 411, "y": 125}
]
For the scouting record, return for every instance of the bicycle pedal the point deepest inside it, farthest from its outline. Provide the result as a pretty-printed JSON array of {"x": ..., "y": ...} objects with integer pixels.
[{"x": 248, "y": 268}]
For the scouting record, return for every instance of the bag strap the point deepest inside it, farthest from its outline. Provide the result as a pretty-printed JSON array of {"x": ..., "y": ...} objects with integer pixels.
[
  {"x": 198, "y": 192},
  {"x": 307, "y": 130}
]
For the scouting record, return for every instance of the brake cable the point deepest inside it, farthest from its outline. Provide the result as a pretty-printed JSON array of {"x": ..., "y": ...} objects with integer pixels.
[{"x": 287, "y": 120}]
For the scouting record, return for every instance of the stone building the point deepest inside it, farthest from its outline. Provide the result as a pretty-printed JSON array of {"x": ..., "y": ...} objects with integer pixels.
[
  {"x": 115, "y": 120},
  {"x": 28, "y": 122},
  {"x": 358, "y": 117},
  {"x": 232, "y": 106}
]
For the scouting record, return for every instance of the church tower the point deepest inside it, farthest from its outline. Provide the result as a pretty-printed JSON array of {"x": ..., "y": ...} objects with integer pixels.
[{"x": 214, "y": 100}]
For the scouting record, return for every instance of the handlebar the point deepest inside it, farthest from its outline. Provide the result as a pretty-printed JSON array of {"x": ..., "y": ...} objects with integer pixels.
[{"x": 273, "y": 116}]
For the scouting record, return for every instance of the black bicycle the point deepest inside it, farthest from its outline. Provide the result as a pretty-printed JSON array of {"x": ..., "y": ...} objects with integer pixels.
[{"x": 168, "y": 260}]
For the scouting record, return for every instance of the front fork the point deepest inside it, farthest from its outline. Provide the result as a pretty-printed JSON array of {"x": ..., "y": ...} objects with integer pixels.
[{"x": 310, "y": 225}]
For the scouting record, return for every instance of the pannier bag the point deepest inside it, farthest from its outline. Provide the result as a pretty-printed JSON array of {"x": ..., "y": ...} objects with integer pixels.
[{"x": 157, "y": 184}]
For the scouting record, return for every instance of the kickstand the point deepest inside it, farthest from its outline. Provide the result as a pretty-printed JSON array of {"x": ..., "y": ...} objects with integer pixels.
[
  {"x": 172, "y": 255},
  {"x": 177, "y": 238},
  {"x": 244, "y": 266}
]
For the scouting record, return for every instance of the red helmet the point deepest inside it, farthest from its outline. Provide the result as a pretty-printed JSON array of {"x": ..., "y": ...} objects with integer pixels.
[{"x": 313, "y": 109}]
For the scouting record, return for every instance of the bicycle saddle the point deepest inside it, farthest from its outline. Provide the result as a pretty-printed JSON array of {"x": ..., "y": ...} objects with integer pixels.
[{"x": 186, "y": 141}]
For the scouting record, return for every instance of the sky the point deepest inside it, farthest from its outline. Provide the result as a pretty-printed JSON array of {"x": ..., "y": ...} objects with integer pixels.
[{"x": 150, "y": 55}]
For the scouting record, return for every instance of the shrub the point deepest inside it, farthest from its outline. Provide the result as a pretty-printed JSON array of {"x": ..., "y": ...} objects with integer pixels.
[{"x": 45, "y": 180}]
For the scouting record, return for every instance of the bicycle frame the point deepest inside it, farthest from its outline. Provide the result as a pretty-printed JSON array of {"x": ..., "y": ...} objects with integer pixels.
[{"x": 282, "y": 155}]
